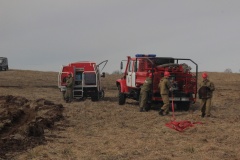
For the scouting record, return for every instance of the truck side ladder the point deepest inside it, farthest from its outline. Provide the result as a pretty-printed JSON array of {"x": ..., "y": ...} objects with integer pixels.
[{"x": 78, "y": 91}]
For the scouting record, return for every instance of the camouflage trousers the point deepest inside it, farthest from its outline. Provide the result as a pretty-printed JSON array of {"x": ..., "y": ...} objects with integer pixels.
[
  {"x": 206, "y": 106},
  {"x": 166, "y": 103},
  {"x": 143, "y": 99},
  {"x": 68, "y": 95}
]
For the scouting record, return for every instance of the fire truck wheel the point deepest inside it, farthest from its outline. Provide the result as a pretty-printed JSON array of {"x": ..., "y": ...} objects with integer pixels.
[
  {"x": 95, "y": 97},
  {"x": 102, "y": 94},
  {"x": 121, "y": 98},
  {"x": 185, "y": 106}
]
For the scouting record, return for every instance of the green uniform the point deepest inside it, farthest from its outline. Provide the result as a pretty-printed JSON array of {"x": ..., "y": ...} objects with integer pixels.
[
  {"x": 69, "y": 91},
  {"x": 164, "y": 86},
  {"x": 206, "y": 102},
  {"x": 145, "y": 88}
]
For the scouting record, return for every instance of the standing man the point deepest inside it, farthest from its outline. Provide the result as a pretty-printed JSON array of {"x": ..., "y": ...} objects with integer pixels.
[
  {"x": 205, "y": 91},
  {"x": 165, "y": 87},
  {"x": 69, "y": 86},
  {"x": 145, "y": 88}
]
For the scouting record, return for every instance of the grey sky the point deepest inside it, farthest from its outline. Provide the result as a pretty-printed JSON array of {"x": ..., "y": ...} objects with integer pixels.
[{"x": 45, "y": 34}]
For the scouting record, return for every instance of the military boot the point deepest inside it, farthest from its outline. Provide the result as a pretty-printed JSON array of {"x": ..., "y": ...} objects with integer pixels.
[
  {"x": 167, "y": 113},
  {"x": 161, "y": 112},
  {"x": 142, "y": 109}
]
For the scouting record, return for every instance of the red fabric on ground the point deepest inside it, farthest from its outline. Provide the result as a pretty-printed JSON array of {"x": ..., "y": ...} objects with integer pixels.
[{"x": 181, "y": 125}]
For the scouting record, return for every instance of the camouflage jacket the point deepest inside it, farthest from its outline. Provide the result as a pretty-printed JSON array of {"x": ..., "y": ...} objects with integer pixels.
[
  {"x": 146, "y": 85},
  {"x": 210, "y": 85},
  {"x": 164, "y": 86},
  {"x": 69, "y": 82}
]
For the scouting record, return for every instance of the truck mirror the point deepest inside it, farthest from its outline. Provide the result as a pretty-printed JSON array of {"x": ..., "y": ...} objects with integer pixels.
[
  {"x": 103, "y": 74},
  {"x": 121, "y": 65}
]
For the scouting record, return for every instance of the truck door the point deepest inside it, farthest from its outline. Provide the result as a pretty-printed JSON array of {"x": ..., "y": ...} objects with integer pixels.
[
  {"x": 133, "y": 79},
  {"x": 134, "y": 70},
  {"x": 129, "y": 74}
]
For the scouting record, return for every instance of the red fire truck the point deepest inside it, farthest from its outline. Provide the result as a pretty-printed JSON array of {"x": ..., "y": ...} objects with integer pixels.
[
  {"x": 183, "y": 80},
  {"x": 86, "y": 75}
]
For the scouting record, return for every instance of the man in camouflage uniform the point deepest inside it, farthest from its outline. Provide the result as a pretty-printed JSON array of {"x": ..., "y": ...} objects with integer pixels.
[
  {"x": 145, "y": 88},
  {"x": 207, "y": 99},
  {"x": 69, "y": 88},
  {"x": 165, "y": 87}
]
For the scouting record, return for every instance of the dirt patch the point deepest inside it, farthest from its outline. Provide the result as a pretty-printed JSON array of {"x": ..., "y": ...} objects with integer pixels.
[{"x": 22, "y": 122}]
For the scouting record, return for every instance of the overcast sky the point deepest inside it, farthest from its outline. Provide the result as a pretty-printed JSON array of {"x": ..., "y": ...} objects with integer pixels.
[{"x": 45, "y": 34}]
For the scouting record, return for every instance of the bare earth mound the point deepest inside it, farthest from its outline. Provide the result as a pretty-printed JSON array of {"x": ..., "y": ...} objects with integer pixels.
[
  {"x": 30, "y": 108},
  {"x": 22, "y": 123}
]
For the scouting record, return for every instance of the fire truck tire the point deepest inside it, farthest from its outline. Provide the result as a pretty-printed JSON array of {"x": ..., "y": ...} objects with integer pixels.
[
  {"x": 95, "y": 97},
  {"x": 185, "y": 106},
  {"x": 102, "y": 94},
  {"x": 121, "y": 98}
]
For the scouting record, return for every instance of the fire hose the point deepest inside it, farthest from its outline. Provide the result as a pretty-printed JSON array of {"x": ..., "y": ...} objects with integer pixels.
[{"x": 180, "y": 125}]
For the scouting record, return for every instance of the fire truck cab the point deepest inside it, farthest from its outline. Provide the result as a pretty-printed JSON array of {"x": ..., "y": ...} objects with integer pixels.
[
  {"x": 182, "y": 79},
  {"x": 87, "y": 79}
]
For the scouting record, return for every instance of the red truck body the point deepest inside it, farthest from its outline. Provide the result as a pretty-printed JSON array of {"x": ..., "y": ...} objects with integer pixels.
[
  {"x": 86, "y": 76},
  {"x": 183, "y": 80}
]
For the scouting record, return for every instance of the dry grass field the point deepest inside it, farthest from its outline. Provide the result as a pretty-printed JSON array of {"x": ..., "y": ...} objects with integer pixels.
[{"x": 104, "y": 130}]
